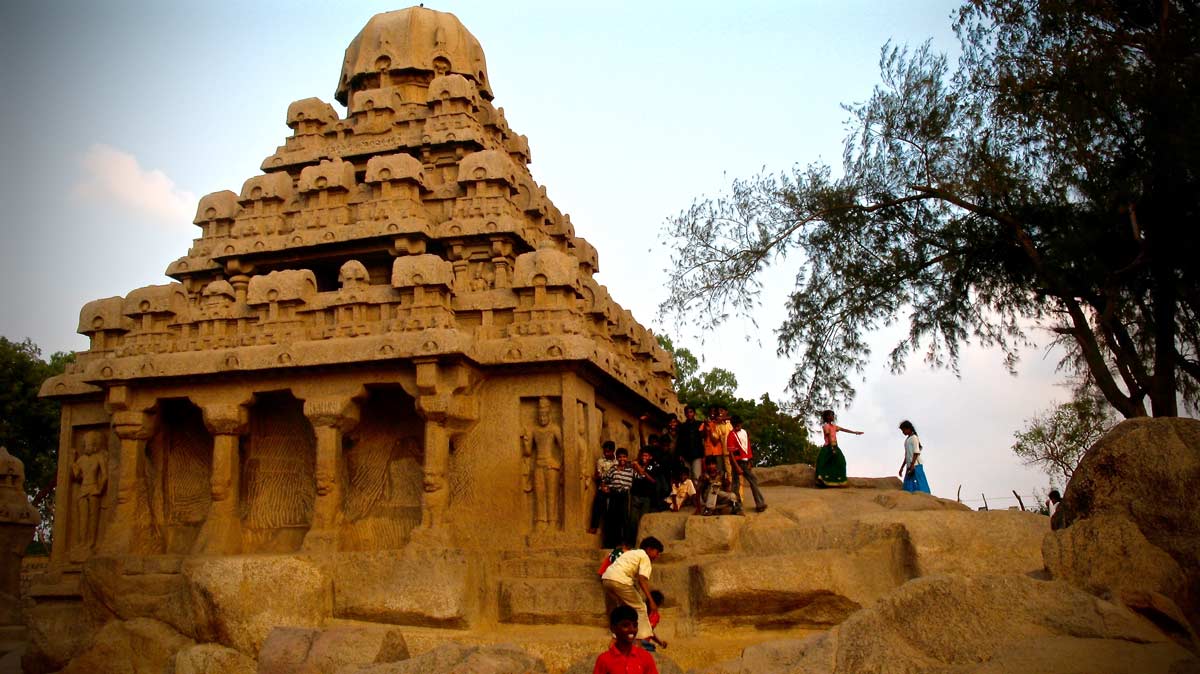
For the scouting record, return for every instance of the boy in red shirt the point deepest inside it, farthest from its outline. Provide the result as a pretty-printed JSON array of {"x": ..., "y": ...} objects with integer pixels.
[{"x": 624, "y": 656}]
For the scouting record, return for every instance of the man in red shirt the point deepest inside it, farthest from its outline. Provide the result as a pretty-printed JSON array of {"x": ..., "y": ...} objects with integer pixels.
[{"x": 625, "y": 656}]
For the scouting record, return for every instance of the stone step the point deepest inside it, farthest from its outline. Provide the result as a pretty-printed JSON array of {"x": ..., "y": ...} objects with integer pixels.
[
  {"x": 540, "y": 601},
  {"x": 550, "y": 567},
  {"x": 571, "y": 552}
]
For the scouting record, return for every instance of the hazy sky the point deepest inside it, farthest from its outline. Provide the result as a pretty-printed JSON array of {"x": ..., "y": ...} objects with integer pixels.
[{"x": 118, "y": 116}]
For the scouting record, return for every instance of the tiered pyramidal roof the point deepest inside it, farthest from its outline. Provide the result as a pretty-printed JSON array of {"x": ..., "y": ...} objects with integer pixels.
[{"x": 412, "y": 228}]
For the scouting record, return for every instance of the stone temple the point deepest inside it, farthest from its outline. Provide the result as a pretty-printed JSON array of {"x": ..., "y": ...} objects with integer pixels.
[{"x": 390, "y": 333}]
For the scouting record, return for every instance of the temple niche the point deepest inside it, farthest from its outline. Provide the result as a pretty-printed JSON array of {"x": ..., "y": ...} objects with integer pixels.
[{"x": 390, "y": 335}]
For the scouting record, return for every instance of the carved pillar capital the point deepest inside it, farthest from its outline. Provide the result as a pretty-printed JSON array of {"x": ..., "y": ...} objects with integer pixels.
[
  {"x": 226, "y": 418},
  {"x": 133, "y": 424},
  {"x": 340, "y": 412},
  {"x": 444, "y": 393}
]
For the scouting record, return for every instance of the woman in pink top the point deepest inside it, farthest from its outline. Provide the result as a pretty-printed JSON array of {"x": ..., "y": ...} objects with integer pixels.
[{"x": 831, "y": 463}]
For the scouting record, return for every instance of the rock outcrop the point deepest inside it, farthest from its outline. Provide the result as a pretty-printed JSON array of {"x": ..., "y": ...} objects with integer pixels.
[
  {"x": 138, "y": 646},
  {"x": 959, "y": 624},
  {"x": 1129, "y": 524}
]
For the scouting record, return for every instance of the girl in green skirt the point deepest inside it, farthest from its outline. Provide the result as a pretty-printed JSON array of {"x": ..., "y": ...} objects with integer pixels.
[{"x": 831, "y": 463}]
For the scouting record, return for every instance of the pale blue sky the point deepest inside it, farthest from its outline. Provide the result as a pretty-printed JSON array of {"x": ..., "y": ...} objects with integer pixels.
[{"x": 631, "y": 109}]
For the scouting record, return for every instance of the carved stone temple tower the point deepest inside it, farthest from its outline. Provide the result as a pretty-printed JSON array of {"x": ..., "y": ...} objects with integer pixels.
[{"x": 390, "y": 333}]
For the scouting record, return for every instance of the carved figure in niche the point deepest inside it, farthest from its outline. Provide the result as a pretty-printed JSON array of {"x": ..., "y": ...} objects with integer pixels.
[
  {"x": 218, "y": 300},
  {"x": 90, "y": 470},
  {"x": 353, "y": 275},
  {"x": 382, "y": 474},
  {"x": 482, "y": 278},
  {"x": 279, "y": 468},
  {"x": 437, "y": 499},
  {"x": 441, "y": 66},
  {"x": 404, "y": 473},
  {"x": 543, "y": 444}
]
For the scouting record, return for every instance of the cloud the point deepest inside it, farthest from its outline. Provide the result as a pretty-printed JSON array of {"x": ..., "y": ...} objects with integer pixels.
[{"x": 113, "y": 177}]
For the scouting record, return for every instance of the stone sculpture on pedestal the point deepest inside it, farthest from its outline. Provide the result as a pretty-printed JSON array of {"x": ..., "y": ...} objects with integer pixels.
[{"x": 17, "y": 522}]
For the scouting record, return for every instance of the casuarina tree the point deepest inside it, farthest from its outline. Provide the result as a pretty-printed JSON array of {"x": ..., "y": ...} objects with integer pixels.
[{"x": 1049, "y": 179}]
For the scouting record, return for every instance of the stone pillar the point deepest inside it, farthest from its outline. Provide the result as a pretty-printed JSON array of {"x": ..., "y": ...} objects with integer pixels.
[
  {"x": 129, "y": 530},
  {"x": 63, "y": 524},
  {"x": 576, "y": 476},
  {"x": 331, "y": 418},
  {"x": 435, "y": 497},
  {"x": 444, "y": 402},
  {"x": 433, "y": 405},
  {"x": 222, "y": 530},
  {"x": 17, "y": 521}
]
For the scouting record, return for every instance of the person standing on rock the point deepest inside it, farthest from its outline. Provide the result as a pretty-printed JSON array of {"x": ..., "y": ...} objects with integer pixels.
[
  {"x": 912, "y": 470},
  {"x": 600, "y": 502},
  {"x": 716, "y": 430},
  {"x": 618, "y": 481},
  {"x": 689, "y": 442},
  {"x": 740, "y": 457},
  {"x": 1052, "y": 500},
  {"x": 645, "y": 488},
  {"x": 630, "y": 573},
  {"x": 831, "y": 463}
]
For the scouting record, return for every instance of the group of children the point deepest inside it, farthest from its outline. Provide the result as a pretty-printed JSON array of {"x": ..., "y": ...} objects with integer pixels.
[
  {"x": 699, "y": 465},
  {"x": 693, "y": 464}
]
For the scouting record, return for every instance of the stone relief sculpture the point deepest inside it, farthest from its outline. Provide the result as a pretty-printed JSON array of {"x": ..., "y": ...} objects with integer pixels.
[
  {"x": 281, "y": 484},
  {"x": 404, "y": 479},
  {"x": 90, "y": 471},
  {"x": 542, "y": 453}
]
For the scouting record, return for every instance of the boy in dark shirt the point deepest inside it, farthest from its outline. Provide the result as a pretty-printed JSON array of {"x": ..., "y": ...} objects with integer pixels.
[
  {"x": 600, "y": 501},
  {"x": 617, "y": 481},
  {"x": 689, "y": 443},
  {"x": 644, "y": 491},
  {"x": 714, "y": 485}
]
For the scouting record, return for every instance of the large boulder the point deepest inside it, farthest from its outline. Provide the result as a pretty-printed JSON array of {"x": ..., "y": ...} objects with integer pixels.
[
  {"x": 552, "y": 600},
  {"x": 418, "y": 586},
  {"x": 292, "y": 650},
  {"x": 790, "y": 475},
  {"x": 957, "y": 624},
  {"x": 1139, "y": 486},
  {"x": 140, "y": 587},
  {"x": 138, "y": 646},
  {"x": 213, "y": 659},
  {"x": 58, "y": 631},
  {"x": 816, "y": 589},
  {"x": 954, "y": 541},
  {"x": 459, "y": 659},
  {"x": 238, "y": 600}
]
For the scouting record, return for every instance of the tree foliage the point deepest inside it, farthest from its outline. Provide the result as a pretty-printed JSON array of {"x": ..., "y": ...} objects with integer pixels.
[
  {"x": 778, "y": 436},
  {"x": 1056, "y": 439},
  {"x": 1049, "y": 179},
  {"x": 28, "y": 424}
]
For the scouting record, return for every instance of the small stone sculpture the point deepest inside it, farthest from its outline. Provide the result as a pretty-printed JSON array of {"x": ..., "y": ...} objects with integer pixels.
[{"x": 90, "y": 470}]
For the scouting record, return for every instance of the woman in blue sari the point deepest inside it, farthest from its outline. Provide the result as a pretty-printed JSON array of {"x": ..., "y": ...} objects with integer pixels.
[{"x": 911, "y": 469}]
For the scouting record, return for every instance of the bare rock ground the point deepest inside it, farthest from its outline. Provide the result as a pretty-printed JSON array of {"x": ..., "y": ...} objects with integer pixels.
[{"x": 866, "y": 578}]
